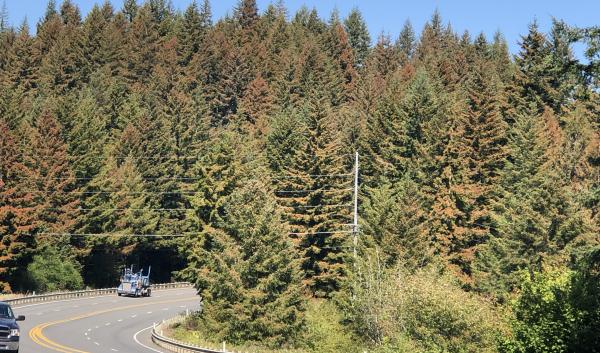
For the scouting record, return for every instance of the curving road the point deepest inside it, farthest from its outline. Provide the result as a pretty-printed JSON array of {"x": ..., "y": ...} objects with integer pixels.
[{"x": 100, "y": 324}]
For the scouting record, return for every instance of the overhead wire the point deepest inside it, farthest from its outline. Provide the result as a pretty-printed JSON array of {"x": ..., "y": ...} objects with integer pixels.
[
  {"x": 277, "y": 177},
  {"x": 311, "y": 190},
  {"x": 317, "y": 206},
  {"x": 91, "y": 178},
  {"x": 125, "y": 192},
  {"x": 114, "y": 234},
  {"x": 122, "y": 209},
  {"x": 165, "y": 178},
  {"x": 323, "y": 232}
]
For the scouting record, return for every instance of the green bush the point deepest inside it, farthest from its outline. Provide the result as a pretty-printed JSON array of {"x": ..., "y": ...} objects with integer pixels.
[
  {"x": 543, "y": 316},
  {"x": 558, "y": 310},
  {"x": 49, "y": 272},
  {"x": 585, "y": 298},
  {"x": 325, "y": 332},
  {"x": 424, "y": 311}
]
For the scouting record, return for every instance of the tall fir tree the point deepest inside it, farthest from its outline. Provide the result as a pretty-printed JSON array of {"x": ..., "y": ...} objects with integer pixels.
[
  {"x": 315, "y": 189},
  {"x": 143, "y": 40},
  {"x": 246, "y": 13},
  {"x": 533, "y": 210},
  {"x": 17, "y": 220},
  {"x": 393, "y": 216},
  {"x": 48, "y": 166},
  {"x": 358, "y": 36},
  {"x": 473, "y": 162},
  {"x": 531, "y": 82},
  {"x": 406, "y": 41},
  {"x": 191, "y": 31},
  {"x": 245, "y": 268}
]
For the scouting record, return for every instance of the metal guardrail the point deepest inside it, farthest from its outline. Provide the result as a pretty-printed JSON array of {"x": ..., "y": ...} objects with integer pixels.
[
  {"x": 177, "y": 346},
  {"x": 85, "y": 293}
]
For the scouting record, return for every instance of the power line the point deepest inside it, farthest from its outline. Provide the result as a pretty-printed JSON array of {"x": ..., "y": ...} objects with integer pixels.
[
  {"x": 312, "y": 176},
  {"x": 122, "y": 209},
  {"x": 317, "y": 206},
  {"x": 127, "y": 192},
  {"x": 91, "y": 178},
  {"x": 155, "y": 157},
  {"x": 116, "y": 235},
  {"x": 317, "y": 233},
  {"x": 336, "y": 247},
  {"x": 313, "y": 190}
]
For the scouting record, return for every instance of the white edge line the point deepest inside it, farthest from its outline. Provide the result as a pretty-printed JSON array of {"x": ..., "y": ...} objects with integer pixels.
[{"x": 143, "y": 345}]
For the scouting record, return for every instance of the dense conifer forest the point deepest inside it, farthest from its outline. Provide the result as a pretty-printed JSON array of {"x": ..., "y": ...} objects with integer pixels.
[{"x": 222, "y": 153}]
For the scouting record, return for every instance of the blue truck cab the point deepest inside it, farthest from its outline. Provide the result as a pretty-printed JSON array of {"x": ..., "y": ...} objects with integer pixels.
[
  {"x": 134, "y": 284},
  {"x": 9, "y": 329}
]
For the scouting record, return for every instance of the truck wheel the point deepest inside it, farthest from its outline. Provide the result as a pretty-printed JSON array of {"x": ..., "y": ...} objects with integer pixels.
[
  {"x": 149, "y": 292},
  {"x": 119, "y": 294}
]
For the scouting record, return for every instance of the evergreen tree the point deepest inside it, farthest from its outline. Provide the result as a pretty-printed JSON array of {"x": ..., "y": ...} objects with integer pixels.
[
  {"x": 473, "y": 161},
  {"x": 130, "y": 9},
  {"x": 95, "y": 48},
  {"x": 501, "y": 56},
  {"x": 50, "y": 10},
  {"x": 284, "y": 140},
  {"x": 393, "y": 216},
  {"x": 143, "y": 39},
  {"x": 358, "y": 36},
  {"x": 206, "y": 14},
  {"x": 344, "y": 59},
  {"x": 531, "y": 83},
  {"x": 406, "y": 41},
  {"x": 384, "y": 58},
  {"x": 191, "y": 32},
  {"x": 383, "y": 144},
  {"x": 87, "y": 138},
  {"x": 62, "y": 65},
  {"x": 256, "y": 105},
  {"x": 531, "y": 208},
  {"x": 16, "y": 216},
  {"x": 246, "y": 13},
  {"x": 3, "y": 17},
  {"x": 315, "y": 192},
  {"x": 245, "y": 268},
  {"x": 403, "y": 136},
  {"x": 48, "y": 166},
  {"x": 148, "y": 140},
  {"x": 430, "y": 44},
  {"x": 219, "y": 175}
]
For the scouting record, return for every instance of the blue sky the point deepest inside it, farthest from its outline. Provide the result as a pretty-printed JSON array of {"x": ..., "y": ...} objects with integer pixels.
[{"x": 510, "y": 16}]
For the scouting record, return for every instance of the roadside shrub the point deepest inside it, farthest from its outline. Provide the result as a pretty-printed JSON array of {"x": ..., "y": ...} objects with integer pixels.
[
  {"x": 558, "y": 310},
  {"x": 50, "y": 272},
  {"x": 325, "y": 332},
  {"x": 424, "y": 311}
]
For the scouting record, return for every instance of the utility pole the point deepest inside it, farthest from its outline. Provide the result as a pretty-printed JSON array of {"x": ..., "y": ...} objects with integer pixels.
[{"x": 355, "y": 223}]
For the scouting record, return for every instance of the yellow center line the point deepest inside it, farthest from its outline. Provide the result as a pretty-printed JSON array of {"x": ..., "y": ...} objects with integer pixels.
[{"x": 37, "y": 335}]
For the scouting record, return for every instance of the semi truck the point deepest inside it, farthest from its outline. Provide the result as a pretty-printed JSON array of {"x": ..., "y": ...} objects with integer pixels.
[{"x": 134, "y": 284}]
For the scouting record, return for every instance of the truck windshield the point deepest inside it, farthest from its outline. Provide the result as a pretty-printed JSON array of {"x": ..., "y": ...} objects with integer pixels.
[{"x": 6, "y": 311}]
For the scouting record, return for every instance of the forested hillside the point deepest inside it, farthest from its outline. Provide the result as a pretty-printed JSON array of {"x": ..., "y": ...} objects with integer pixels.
[{"x": 223, "y": 153}]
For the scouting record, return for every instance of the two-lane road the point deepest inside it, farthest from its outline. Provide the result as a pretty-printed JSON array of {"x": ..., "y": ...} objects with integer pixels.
[{"x": 100, "y": 324}]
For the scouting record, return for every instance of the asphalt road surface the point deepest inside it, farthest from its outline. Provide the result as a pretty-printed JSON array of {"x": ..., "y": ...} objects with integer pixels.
[{"x": 100, "y": 324}]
